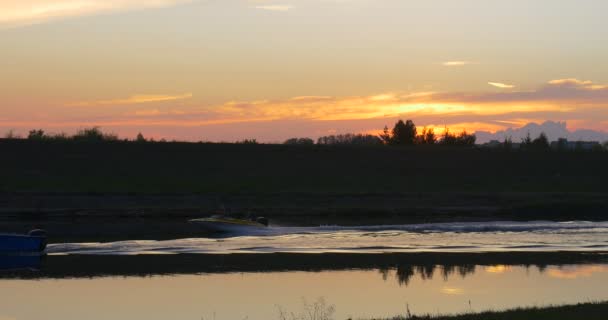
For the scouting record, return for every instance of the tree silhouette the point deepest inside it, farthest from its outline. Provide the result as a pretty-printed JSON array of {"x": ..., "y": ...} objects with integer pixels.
[
  {"x": 404, "y": 133},
  {"x": 526, "y": 143},
  {"x": 140, "y": 138},
  {"x": 541, "y": 143},
  {"x": 36, "y": 134},
  {"x": 94, "y": 134},
  {"x": 385, "y": 136},
  {"x": 465, "y": 139},
  {"x": 427, "y": 136},
  {"x": 448, "y": 138}
]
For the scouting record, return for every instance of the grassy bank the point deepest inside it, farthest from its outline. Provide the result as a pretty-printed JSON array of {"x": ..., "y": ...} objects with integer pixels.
[
  {"x": 71, "y": 166},
  {"x": 306, "y": 184},
  {"x": 587, "y": 311}
]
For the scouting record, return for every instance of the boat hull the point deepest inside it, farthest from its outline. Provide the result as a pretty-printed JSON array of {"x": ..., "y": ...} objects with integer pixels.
[
  {"x": 227, "y": 225},
  {"x": 14, "y": 243}
]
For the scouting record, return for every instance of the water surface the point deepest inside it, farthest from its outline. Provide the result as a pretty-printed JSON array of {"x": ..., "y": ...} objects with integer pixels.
[
  {"x": 368, "y": 271},
  {"x": 257, "y": 295},
  {"x": 437, "y": 237}
]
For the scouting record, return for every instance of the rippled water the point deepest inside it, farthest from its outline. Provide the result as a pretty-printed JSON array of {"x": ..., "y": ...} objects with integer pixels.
[{"x": 437, "y": 237}]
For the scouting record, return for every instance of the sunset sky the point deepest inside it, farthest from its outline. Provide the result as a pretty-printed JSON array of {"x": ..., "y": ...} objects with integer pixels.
[{"x": 223, "y": 70}]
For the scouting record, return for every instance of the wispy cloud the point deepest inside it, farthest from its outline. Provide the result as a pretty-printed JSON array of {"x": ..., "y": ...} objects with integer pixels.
[
  {"x": 135, "y": 99},
  {"x": 573, "y": 82},
  {"x": 501, "y": 85},
  {"x": 276, "y": 7},
  {"x": 455, "y": 63},
  {"x": 26, "y": 12}
]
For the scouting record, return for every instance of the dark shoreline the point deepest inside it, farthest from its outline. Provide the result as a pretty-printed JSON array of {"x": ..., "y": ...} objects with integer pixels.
[
  {"x": 587, "y": 311},
  {"x": 79, "y": 266}
]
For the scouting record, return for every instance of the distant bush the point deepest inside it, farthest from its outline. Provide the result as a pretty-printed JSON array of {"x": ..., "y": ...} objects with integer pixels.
[
  {"x": 11, "y": 135},
  {"x": 541, "y": 143},
  {"x": 461, "y": 139},
  {"x": 36, "y": 135},
  {"x": 248, "y": 141},
  {"x": 299, "y": 141},
  {"x": 140, "y": 138},
  {"x": 350, "y": 139},
  {"x": 94, "y": 134}
]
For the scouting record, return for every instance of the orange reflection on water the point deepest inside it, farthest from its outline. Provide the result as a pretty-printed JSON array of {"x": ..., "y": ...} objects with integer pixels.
[
  {"x": 574, "y": 272},
  {"x": 452, "y": 291},
  {"x": 497, "y": 269}
]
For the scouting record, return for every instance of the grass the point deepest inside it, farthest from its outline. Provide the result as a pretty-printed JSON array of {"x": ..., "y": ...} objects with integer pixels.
[
  {"x": 72, "y": 166},
  {"x": 587, "y": 311},
  {"x": 421, "y": 183}
]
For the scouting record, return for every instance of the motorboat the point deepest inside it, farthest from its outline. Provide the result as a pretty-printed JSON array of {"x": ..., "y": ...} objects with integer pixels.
[
  {"x": 230, "y": 224},
  {"x": 34, "y": 241}
]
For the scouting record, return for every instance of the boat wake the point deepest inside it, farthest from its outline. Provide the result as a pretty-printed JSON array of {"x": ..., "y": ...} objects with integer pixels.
[{"x": 433, "y": 237}]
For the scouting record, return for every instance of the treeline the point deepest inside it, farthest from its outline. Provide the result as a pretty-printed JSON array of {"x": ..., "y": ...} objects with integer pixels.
[
  {"x": 542, "y": 143},
  {"x": 87, "y": 134},
  {"x": 93, "y": 134},
  {"x": 403, "y": 133}
]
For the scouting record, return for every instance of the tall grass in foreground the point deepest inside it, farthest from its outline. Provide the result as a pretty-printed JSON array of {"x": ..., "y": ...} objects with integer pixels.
[
  {"x": 318, "y": 310},
  {"x": 586, "y": 311}
]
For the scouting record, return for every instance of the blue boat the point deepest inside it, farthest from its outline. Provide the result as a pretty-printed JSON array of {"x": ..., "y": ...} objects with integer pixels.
[{"x": 34, "y": 241}]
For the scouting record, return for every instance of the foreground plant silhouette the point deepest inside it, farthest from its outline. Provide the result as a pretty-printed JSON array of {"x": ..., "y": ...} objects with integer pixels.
[
  {"x": 587, "y": 311},
  {"x": 318, "y": 310}
]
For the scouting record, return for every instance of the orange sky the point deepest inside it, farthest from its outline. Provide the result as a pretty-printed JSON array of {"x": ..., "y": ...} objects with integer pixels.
[{"x": 234, "y": 69}]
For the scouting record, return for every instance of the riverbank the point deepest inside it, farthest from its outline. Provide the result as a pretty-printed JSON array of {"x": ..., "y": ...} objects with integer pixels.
[
  {"x": 587, "y": 311},
  {"x": 125, "y": 190}
]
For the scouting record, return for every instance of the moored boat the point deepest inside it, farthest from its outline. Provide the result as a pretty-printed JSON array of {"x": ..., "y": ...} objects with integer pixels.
[
  {"x": 228, "y": 224},
  {"x": 34, "y": 241}
]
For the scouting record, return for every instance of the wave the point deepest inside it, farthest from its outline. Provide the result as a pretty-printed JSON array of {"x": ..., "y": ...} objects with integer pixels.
[
  {"x": 438, "y": 237},
  {"x": 459, "y": 227}
]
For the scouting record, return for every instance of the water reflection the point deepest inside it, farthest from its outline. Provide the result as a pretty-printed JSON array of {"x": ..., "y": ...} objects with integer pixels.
[
  {"x": 360, "y": 294},
  {"x": 405, "y": 273},
  {"x": 401, "y": 268},
  {"x": 574, "y": 272}
]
